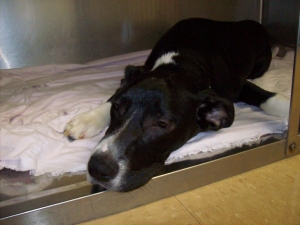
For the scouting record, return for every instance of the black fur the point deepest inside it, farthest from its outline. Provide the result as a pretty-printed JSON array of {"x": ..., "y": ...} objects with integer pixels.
[{"x": 155, "y": 112}]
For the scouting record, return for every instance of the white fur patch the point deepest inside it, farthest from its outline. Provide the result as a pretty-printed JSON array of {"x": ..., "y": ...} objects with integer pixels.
[
  {"x": 110, "y": 141},
  {"x": 118, "y": 180},
  {"x": 109, "y": 145},
  {"x": 103, "y": 145},
  {"x": 278, "y": 105},
  {"x": 165, "y": 59}
]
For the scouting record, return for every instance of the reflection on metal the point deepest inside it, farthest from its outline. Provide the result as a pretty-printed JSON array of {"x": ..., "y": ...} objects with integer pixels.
[
  {"x": 280, "y": 19},
  {"x": 35, "y": 32},
  {"x": 293, "y": 146},
  {"x": 107, "y": 203}
]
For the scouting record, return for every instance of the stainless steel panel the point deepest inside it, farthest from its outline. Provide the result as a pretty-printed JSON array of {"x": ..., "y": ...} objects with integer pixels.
[
  {"x": 281, "y": 20},
  {"x": 293, "y": 144},
  {"x": 35, "y": 32},
  {"x": 106, "y": 203}
]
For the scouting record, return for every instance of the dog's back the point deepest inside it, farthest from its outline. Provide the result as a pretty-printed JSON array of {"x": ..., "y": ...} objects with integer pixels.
[
  {"x": 230, "y": 45},
  {"x": 229, "y": 52}
]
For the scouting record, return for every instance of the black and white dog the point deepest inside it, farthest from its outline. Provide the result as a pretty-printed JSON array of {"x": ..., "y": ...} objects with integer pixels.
[{"x": 188, "y": 85}]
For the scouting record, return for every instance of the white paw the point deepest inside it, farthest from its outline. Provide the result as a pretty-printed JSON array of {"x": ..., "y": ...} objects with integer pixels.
[
  {"x": 278, "y": 105},
  {"x": 88, "y": 124}
]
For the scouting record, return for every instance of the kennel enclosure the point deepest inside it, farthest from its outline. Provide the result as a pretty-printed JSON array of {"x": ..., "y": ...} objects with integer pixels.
[{"x": 35, "y": 33}]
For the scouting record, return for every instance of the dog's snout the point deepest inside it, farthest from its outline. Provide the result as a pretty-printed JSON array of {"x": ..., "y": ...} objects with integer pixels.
[{"x": 102, "y": 167}]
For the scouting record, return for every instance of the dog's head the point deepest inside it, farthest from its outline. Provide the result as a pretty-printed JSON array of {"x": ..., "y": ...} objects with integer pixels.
[{"x": 152, "y": 114}]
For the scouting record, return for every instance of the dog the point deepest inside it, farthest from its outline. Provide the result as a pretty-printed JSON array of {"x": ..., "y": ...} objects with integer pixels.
[{"x": 188, "y": 84}]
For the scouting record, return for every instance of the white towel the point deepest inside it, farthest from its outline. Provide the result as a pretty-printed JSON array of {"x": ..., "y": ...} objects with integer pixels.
[{"x": 37, "y": 102}]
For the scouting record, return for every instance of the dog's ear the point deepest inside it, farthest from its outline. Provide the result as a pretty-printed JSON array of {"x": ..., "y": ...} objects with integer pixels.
[
  {"x": 131, "y": 72},
  {"x": 214, "y": 113}
]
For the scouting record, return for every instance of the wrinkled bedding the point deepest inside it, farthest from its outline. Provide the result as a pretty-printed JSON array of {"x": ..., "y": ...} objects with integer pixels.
[{"x": 37, "y": 102}]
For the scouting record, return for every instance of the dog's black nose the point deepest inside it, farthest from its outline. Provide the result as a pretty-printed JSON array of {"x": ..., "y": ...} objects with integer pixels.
[{"x": 102, "y": 167}]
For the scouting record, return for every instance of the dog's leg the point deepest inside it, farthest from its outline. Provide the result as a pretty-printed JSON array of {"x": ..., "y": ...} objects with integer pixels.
[
  {"x": 272, "y": 103},
  {"x": 88, "y": 124}
]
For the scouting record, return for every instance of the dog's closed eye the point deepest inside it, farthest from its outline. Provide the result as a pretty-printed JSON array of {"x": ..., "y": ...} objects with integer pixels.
[
  {"x": 115, "y": 105},
  {"x": 162, "y": 124}
]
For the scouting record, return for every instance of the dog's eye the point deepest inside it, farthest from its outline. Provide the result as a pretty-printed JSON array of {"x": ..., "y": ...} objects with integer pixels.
[
  {"x": 115, "y": 105},
  {"x": 161, "y": 124}
]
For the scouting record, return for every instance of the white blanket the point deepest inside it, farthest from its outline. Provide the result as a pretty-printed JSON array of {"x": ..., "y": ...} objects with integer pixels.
[{"x": 37, "y": 102}]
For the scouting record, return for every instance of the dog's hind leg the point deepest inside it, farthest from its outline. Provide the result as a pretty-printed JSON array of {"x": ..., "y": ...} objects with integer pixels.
[
  {"x": 88, "y": 124},
  {"x": 272, "y": 103}
]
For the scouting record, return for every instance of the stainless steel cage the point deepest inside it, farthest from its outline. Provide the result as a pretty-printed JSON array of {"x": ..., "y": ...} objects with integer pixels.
[{"x": 34, "y": 32}]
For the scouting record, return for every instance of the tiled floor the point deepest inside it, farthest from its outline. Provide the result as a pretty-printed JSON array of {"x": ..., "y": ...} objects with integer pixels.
[{"x": 268, "y": 195}]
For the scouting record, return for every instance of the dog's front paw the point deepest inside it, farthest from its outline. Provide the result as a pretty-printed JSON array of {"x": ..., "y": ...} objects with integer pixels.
[
  {"x": 81, "y": 126},
  {"x": 88, "y": 124}
]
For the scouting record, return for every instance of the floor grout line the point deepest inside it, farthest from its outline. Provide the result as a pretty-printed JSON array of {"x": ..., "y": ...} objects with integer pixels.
[{"x": 187, "y": 210}]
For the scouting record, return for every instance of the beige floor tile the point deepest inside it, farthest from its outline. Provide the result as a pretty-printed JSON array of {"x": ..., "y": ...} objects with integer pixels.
[
  {"x": 268, "y": 195},
  {"x": 166, "y": 211}
]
